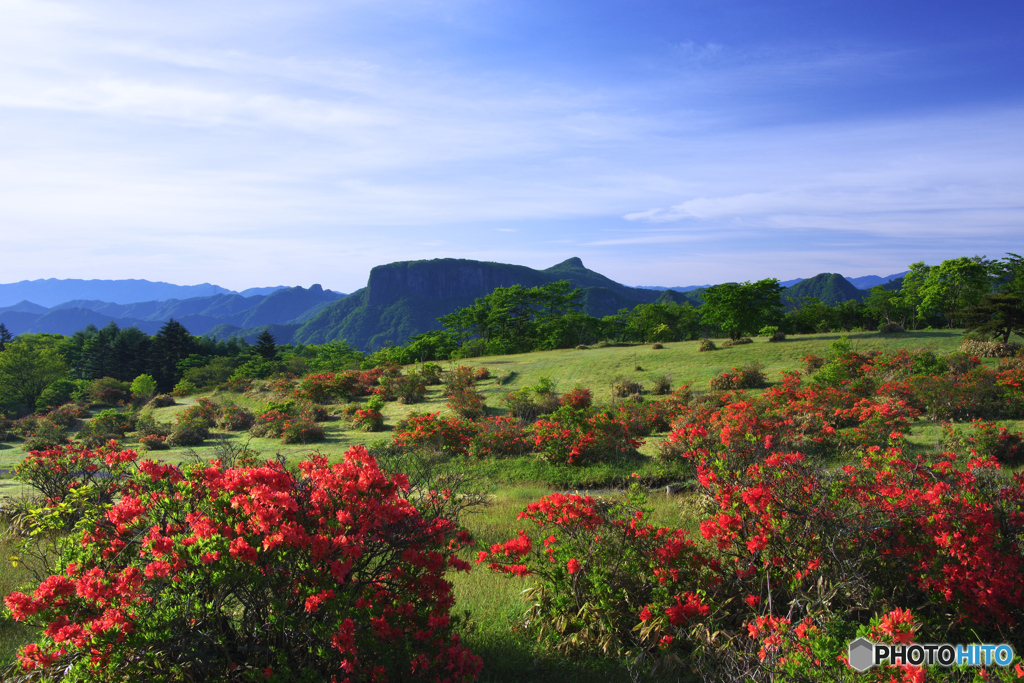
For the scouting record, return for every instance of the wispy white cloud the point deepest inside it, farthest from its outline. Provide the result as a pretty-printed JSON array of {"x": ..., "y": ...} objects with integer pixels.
[{"x": 168, "y": 131}]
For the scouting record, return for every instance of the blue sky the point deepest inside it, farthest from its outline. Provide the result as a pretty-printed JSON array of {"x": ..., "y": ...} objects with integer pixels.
[{"x": 664, "y": 142}]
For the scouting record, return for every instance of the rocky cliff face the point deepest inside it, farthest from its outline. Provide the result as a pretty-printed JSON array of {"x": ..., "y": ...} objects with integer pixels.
[{"x": 445, "y": 279}]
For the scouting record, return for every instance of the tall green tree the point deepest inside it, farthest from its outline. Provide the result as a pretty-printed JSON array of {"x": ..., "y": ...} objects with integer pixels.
[
  {"x": 508, "y": 319},
  {"x": 266, "y": 345},
  {"x": 5, "y": 336},
  {"x": 172, "y": 344},
  {"x": 742, "y": 308},
  {"x": 954, "y": 287},
  {"x": 998, "y": 314},
  {"x": 28, "y": 365},
  {"x": 888, "y": 306}
]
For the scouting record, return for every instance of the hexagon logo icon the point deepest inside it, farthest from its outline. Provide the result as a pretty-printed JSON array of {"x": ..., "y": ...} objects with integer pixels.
[{"x": 861, "y": 654}]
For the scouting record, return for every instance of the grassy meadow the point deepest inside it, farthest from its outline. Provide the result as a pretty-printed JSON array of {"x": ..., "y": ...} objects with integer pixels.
[{"x": 493, "y": 603}]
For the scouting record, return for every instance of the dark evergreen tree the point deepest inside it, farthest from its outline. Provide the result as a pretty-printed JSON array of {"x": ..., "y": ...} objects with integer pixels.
[
  {"x": 172, "y": 344},
  {"x": 266, "y": 345},
  {"x": 5, "y": 336}
]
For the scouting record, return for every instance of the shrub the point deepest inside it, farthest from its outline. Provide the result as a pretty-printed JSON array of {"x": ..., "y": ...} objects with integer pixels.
[
  {"x": 657, "y": 346},
  {"x": 430, "y": 431},
  {"x": 302, "y": 430},
  {"x": 498, "y": 437},
  {"x": 56, "y": 394},
  {"x": 153, "y": 442},
  {"x": 777, "y": 336},
  {"x": 430, "y": 373},
  {"x": 368, "y": 420},
  {"x": 352, "y": 574},
  {"x": 601, "y": 571},
  {"x": 109, "y": 391},
  {"x": 161, "y": 401},
  {"x": 987, "y": 440},
  {"x": 329, "y": 387},
  {"x": 184, "y": 388},
  {"x": 233, "y": 418},
  {"x": 520, "y": 405},
  {"x": 625, "y": 387},
  {"x": 812, "y": 364},
  {"x": 143, "y": 386},
  {"x": 575, "y": 438},
  {"x": 67, "y": 415},
  {"x": 707, "y": 345},
  {"x": 270, "y": 423},
  {"x": 55, "y": 472},
  {"x": 545, "y": 386},
  {"x": 146, "y": 425},
  {"x": 737, "y": 342},
  {"x": 44, "y": 434},
  {"x": 891, "y": 328},
  {"x": 407, "y": 389},
  {"x": 990, "y": 349},
  {"x": 204, "y": 411},
  {"x": 109, "y": 424},
  {"x": 459, "y": 379},
  {"x": 662, "y": 385},
  {"x": 748, "y": 377},
  {"x": 467, "y": 404},
  {"x": 188, "y": 433},
  {"x": 577, "y": 399}
]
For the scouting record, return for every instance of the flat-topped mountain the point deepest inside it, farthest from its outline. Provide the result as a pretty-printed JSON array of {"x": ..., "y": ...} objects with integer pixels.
[{"x": 407, "y": 297}]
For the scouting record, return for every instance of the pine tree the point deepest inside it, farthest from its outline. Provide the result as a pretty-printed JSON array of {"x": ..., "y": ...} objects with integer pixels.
[{"x": 266, "y": 345}]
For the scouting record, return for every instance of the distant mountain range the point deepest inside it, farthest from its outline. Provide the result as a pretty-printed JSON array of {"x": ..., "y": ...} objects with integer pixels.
[
  {"x": 199, "y": 314},
  {"x": 52, "y": 291},
  {"x": 400, "y": 300},
  {"x": 863, "y": 282}
]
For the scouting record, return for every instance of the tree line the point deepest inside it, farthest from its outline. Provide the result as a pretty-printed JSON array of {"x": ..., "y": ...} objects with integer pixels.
[{"x": 38, "y": 370}]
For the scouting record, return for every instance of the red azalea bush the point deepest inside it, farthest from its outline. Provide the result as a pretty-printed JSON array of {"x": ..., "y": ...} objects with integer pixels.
[
  {"x": 204, "y": 411},
  {"x": 498, "y": 437},
  {"x": 601, "y": 569},
  {"x": 431, "y": 431},
  {"x": 55, "y": 472},
  {"x": 367, "y": 420},
  {"x": 575, "y": 437},
  {"x": 301, "y": 429},
  {"x": 577, "y": 399},
  {"x": 986, "y": 439},
  {"x": 253, "y": 573},
  {"x": 467, "y": 403},
  {"x": 796, "y": 556}
]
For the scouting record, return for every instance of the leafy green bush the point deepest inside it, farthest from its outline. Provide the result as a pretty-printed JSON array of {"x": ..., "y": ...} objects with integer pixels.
[
  {"x": 109, "y": 424},
  {"x": 44, "y": 434},
  {"x": 143, "y": 386},
  {"x": 234, "y": 419},
  {"x": 189, "y": 433},
  {"x": 56, "y": 394},
  {"x": 109, "y": 391},
  {"x": 706, "y": 345}
]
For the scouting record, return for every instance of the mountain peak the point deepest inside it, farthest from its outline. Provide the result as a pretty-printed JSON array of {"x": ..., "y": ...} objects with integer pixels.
[{"x": 574, "y": 262}]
